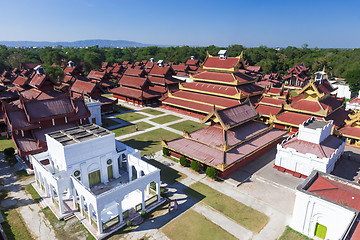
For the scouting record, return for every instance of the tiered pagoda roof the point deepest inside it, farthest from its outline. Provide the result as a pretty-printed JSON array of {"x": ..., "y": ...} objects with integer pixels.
[
  {"x": 220, "y": 84},
  {"x": 233, "y": 137},
  {"x": 297, "y": 75},
  {"x": 351, "y": 129},
  {"x": 313, "y": 100}
]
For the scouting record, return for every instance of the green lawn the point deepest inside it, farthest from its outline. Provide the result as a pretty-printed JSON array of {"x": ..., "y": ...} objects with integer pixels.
[
  {"x": 108, "y": 95},
  {"x": 34, "y": 195},
  {"x": 119, "y": 108},
  {"x": 107, "y": 122},
  {"x": 188, "y": 125},
  {"x": 168, "y": 174},
  {"x": 293, "y": 93},
  {"x": 131, "y": 116},
  {"x": 291, "y": 234},
  {"x": 14, "y": 225},
  {"x": 194, "y": 226},
  {"x": 150, "y": 142},
  {"x": 5, "y": 143},
  {"x": 152, "y": 111},
  {"x": 165, "y": 119},
  {"x": 23, "y": 175},
  {"x": 131, "y": 128},
  {"x": 240, "y": 213}
]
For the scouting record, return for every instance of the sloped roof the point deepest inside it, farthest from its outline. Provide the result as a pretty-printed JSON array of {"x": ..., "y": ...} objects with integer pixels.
[
  {"x": 21, "y": 81},
  {"x": 82, "y": 86},
  {"x": 96, "y": 75},
  {"x": 136, "y": 82},
  {"x": 216, "y": 62}
]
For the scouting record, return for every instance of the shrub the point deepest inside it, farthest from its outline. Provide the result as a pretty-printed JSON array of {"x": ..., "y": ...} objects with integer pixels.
[
  {"x": 211, "y": 172},
  {"x": 143, "y": 213},
  {"x": 9, "y": 151},
  {"x": 183, "y": 161},
  {"x": 194, "y": 165},
  {"x": 128, "y": 223},
  {"x": 162, "y": 192},
  {"x": 166, "y": 151}
]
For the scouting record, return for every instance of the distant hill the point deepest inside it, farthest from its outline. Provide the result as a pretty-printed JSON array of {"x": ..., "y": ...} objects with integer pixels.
[{"x": 76, "y": 44}]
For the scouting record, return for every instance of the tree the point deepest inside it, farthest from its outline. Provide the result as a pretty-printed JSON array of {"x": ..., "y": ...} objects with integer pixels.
[
  {"x": 54, "y": 72},
  {"x": 15, "y": 59},
  {"x": 211, "y": 172},
  {"x": 353, "y": 79},
  {"x": 92, "y": 60},
  {"x": 183, "y": 161},
  {"x": 195, "y": 165}
]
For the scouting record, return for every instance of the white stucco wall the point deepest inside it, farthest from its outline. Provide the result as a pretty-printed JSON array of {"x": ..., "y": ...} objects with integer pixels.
[
  {"x": 95, "y": 109},
  {"x": 293, "y": 160},
  {"x": 315, "y": 135},
  {"x": 309, "y": 210}
]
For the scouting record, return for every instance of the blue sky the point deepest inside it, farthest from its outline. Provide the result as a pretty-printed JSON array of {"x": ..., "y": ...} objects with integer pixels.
[{"x": 250, "y": 23}]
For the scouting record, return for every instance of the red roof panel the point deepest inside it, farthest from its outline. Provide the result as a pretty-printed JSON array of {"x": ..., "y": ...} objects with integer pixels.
[{"x": 216, "y": 62}]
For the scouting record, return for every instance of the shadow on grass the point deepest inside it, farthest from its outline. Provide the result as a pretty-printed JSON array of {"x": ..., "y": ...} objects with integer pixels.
[
  {"x": 168, "y": 174},
  {"x": 140, "y": 144}
]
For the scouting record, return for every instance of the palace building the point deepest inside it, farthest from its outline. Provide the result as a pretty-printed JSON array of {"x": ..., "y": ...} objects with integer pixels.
[
  {"x": 297, "y": 76},
  {"x": 313, "y": 147},
  {"x": 313, "y": 100},
  {"x": 351, "y": 130},
  {"x": 103, "y": 187},
  {"x": 234, "y": 139},
  {"x": 220, "y": 84}
]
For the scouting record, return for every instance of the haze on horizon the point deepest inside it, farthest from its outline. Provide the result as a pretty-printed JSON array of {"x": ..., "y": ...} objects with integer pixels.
[{"x": 279, "y": 23}]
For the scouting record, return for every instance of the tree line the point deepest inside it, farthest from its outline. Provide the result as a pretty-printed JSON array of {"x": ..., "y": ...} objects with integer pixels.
[{"x": 338, "y": 62}]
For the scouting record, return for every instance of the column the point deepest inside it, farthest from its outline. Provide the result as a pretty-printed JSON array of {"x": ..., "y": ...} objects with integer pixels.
[
  {"x": 74, "y": 197},
  {"x": 158, "y": 190},
  {"x": 148, "y": 189},
  {"x": 61, "y": 203},
  {"x": 90, "y": 212},
  {"x": 98, "y": 220},
  {"x": 81, "y": 205},
  {"x": 120, "y": 211},
  {"x": 143, "y": 199},
  {"x": 51, "y": 192},
  {"x": 130, "y": 172}
]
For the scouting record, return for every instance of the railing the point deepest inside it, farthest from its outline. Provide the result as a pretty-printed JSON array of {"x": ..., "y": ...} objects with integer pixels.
[
  {"x": 151, "y": 200},
  {"x": 111, "y": 222}
]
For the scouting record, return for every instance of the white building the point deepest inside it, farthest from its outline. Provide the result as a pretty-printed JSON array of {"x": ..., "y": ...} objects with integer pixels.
[
  {"x": 342, "y": 88},
  {"x": 311, "y": 148},
  {"x": 327, "y": 207},
  {"x": 86, "y": 169},
  {"x": 95, "y": 108}
]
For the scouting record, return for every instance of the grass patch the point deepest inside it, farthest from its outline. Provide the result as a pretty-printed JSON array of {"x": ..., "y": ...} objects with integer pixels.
[
  {"x": 22, "y": 175},
  {"x": 119, "y": 108},
  {"x": 108, "y": 95},
  {"x": 131, "y": 116},
  {"x": 240, "y": 213},
  {"x": 152, "y": 111},
  {"x": 291, "y": 234},
  {"x": 192, "y": 225},
  {"x": 188, "y": 125},
  {"x": 165, "y": 119},
  {"x": 107, "y": 122},
  {"x": 14, "y": 225},
  {"x": 34, "y": 195},
  {"x": 150, "y": 142},
  {"x": 131, "y": 128},
  {"x": 167, "y": 173},
  {"x": 6, "y": 143},
  {"x": 67, "y": 230},
  {"x": 293, "y": 93}
]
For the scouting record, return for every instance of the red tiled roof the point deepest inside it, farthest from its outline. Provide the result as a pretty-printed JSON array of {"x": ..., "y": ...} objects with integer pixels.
[
  {"x": 134, "y": 72},
  {"x": 135, "y": 93},
  {"x": 136, "y": 82},
  {"x": 157, "y": 88},
  {"x": 69, "y": 79},
  {"x": 211, "y": 88},
  {"x": 307, "y": 105},
  {"x": 323, "y": 150},
  {"x": 216, "y": 62},
  {"x": 159, "y": 71},
  {"x": 237, "y": 114},
  {"x": 192, "y": 62},
  {"x": 272, "y": 101},
  {"x": 38, "y": 80},
  {"x": 82, "y": 86},
  {"x": 336, "y": 191},
  {"x": 204, "y": 98},
  {"x": 331, "y": 102},
  {"x": 27, "y": 145},
  {"x": 351, "y": 131},
  {"x": 267, "y": 110},
  {"x": 188, "y": 105},
  {"x": 214, "y": 156},
  {"x": 30, "y": 66},
  {"x": 223, "y": 77},
  {"x": 324, "y": 86},
  {"x": 355, "y": 100},
  {"x": 96, "y": 75},
  {"x": 338, "y": 116},
  {"x": 21, "y": 81},
  {"x": 18, "y": 120},
  {"x": 293, "y": 117},
  {"x": 254, "y": 68}
]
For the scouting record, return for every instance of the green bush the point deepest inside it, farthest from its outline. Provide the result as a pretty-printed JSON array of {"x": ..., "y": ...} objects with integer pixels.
[
  {"x": 211, "y": 172},
  {"x": 166, "y": 151},
  {"x": 194, "y": 165},
  {"x": 128, "y": 223},
  {"x": 183, "y": 161},
  {"x": 9, "y": 151},
  {"x": 143, "y": 213},
  {"x": 162, "y": 192}
]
